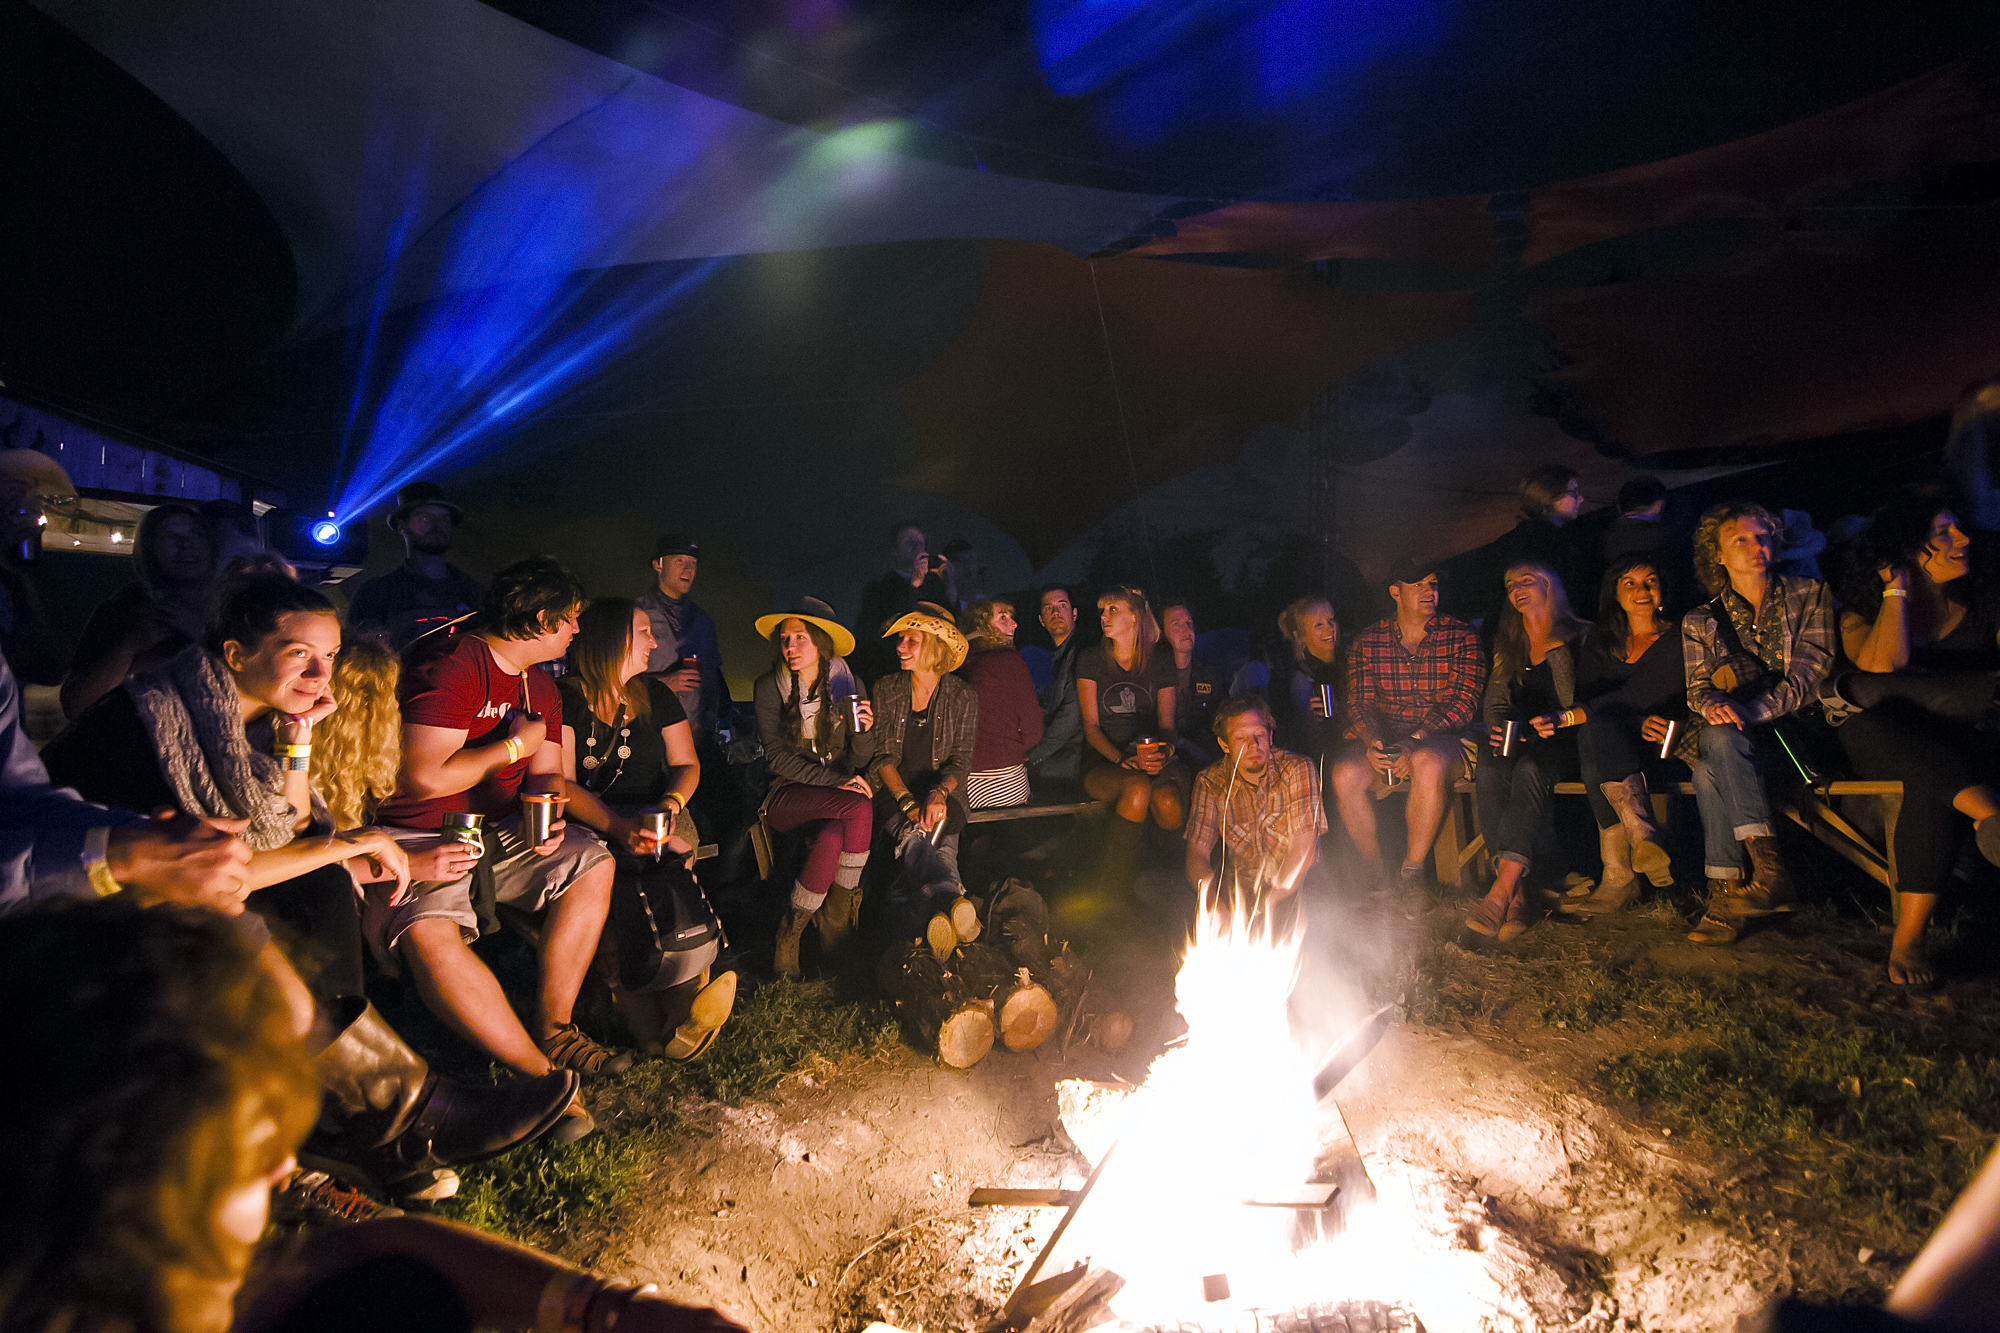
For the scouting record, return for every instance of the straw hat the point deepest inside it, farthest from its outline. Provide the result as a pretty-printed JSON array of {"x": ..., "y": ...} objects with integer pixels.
[
  {"x": 932, "y": 619},
  {"x": 814, "y": 612}
]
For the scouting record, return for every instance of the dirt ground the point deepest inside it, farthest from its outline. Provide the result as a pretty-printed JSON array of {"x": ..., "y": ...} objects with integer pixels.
[{"x": 842, "y": 1200}]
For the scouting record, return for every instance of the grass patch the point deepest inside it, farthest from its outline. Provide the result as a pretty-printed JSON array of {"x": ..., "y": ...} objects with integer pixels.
[{"x": 544, "y": 1191}]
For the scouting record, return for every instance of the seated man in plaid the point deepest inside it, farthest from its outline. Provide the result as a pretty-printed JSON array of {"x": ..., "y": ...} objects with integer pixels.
[
  {"x": 1263, "y": 804},
  {"x": 1413, "y": 687}
]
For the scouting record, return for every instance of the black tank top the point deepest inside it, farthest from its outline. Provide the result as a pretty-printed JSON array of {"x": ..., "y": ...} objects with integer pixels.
[{"x": 1972, "y": 646}]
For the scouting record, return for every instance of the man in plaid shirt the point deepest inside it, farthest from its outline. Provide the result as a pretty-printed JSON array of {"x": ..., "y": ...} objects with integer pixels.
[
  {"x": 1263, "y": 804},
  {"x": 1413, "y": 687},
  {"x": 1759, "y": 651}
]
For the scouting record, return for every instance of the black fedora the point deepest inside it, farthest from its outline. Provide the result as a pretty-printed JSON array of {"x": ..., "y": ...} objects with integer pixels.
[{"x": 420, "y": 493}]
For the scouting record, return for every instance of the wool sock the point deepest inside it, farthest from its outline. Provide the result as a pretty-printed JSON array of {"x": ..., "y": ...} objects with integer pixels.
[{"x": 848, "y": 875}]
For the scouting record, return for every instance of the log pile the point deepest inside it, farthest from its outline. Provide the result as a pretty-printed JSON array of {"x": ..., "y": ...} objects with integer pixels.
[{"x": 1009, "y": 979}]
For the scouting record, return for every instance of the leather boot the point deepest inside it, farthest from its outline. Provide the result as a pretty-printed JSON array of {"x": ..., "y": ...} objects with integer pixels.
[
  {"x": 1722, "y": 918},
  {"x": 836, "y": 917},
  {"x": 388, "y": 1122},
  {"x": 785, "y": 956},
  {"x": 1635, "y": 814},
  {"x": 1618, "y": 885},
  {"x": 1770, "y": 891}
]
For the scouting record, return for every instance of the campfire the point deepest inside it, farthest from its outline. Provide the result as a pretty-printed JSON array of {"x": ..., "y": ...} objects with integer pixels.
[{"x": 1226, "y": 1192}]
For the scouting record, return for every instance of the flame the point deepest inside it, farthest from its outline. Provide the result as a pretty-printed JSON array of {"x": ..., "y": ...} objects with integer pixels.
[{"x": 1227, "y": 1115}]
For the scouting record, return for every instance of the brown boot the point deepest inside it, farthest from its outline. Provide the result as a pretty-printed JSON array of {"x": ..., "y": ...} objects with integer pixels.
[
  {"x": 785, "y": 957},
  {"x": 836, "y": 917},
  {"x": 1619, "y": 885},
  {"x": 1722, "y": 921},
  {"x": 1770, "y": 891},
  {"x": 1635, "y": 815}
]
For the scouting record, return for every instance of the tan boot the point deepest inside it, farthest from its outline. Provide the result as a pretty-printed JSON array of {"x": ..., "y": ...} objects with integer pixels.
[
  {"x": 1619, "y": 885},
  {"x": 836, "y": 917},
  {"x": 1770, "y": 891},
  {"x": 1635, "y": 814},
  {"x": 785, "y": 957},
  {"x": 1722, "y": 920}
]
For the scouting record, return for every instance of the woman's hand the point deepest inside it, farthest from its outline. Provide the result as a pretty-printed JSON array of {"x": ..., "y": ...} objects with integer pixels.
[
  {"x": 1495, "y": 735},
  {"x": 865, "y": 711},
  {"x": 444, "y": 863},
  {"x": 385, "y": 857},
  {"x": 296, "y": 728},
  {"x": 934, "y": 811},
  {"x": 1133, "y": 762},
  {"x": 1545, "y": 725},
  {"x": 1316, "y": 705},
  {"x": 1654, "y": 728},
  {"x": 631, "y": 834},
  {"x": 1894, "y": 576},
  {"x": 858, "y": 784}
]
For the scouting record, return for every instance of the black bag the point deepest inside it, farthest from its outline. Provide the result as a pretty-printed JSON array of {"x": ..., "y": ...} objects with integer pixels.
[{"x": 666, "y": 930}]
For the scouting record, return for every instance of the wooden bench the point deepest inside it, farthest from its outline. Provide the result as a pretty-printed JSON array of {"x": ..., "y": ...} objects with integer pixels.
[
  {"x": 760, "y": 835},
  {"x": 1812, "y": 811}
]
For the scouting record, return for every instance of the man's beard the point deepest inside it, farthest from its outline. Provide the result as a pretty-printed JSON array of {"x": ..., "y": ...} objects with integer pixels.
[{"x": 430, "y": 543}]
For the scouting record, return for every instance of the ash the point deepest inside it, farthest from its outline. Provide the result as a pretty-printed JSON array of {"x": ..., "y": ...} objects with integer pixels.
[{"x": 1339, "y": 1317}]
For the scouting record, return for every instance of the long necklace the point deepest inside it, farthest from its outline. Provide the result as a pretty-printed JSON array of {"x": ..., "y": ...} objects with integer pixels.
[{"x": 623, "y": 751}]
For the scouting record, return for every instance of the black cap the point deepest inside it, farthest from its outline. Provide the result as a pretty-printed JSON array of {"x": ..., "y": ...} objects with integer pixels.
[
  {"x": 1412, "y": 568},
  {"x": 416, "y": 495},
  {"x": 675, "y": 543}
]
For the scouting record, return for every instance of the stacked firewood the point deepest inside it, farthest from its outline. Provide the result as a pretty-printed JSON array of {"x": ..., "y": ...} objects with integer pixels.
[{"x": 997, "y": 974}]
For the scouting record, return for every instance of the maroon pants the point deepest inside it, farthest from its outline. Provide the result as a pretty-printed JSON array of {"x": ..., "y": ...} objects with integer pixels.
[{"x": 836, "y": 820}]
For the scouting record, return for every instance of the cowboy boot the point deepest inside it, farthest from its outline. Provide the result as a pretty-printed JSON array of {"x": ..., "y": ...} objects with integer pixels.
[
  {"x": 1619, "y": 885},
  {"x": 785, "y": 955},
  {"x": 1635, "y": 814},
  {"x": 389, "y": 1123},
  {"x": 1770, "y": 891}
]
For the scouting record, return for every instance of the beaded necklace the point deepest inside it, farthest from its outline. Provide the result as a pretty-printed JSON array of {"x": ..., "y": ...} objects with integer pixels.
[{"x": 592, "y": 761}]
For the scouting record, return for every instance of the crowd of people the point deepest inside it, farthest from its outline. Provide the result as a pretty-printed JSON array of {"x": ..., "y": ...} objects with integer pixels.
[{"x": 301, "y": 790}]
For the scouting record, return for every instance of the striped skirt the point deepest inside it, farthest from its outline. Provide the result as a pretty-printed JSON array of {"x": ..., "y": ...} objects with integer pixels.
[{"x": 997, "y": 787}]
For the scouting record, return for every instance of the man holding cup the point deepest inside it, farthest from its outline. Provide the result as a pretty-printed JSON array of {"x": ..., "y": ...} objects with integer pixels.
[
  {"x": 481, "y": 735},
  {"x": 1413, "y": 685}
]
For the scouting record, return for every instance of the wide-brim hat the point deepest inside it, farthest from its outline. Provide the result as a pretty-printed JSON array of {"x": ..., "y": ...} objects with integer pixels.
[
  {"x": 814, "y": 612},
  {"x": 418, "y": 494},
  {"x": 38, "y": 470},
  {"x": 930, "y": 618}
]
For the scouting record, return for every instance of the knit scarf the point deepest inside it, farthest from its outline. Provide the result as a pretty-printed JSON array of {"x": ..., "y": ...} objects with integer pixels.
[{"x": 195, "y": 718}]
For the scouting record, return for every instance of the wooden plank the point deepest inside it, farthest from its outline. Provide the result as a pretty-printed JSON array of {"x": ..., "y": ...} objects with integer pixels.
[
  {"x": 1011, "y": 812},
  {"x": 1308, "y": 1198},
  {"x": 1043, "y": 1198}
]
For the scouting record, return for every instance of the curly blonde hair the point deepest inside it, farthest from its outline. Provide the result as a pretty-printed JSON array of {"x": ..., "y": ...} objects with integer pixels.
[
  {"x": 1708, "y": 568},
  {"x": 980, "y": 631},
  {"x": 358, "y": 749}
]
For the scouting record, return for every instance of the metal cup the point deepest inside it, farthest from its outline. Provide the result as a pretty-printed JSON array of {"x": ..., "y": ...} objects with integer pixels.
[
  {"x": 1325, "y": 700},
  {"x": 658, "y": 825},
  {"x": 538, "y": 817},
  {"x": 853, "y": 703},
  {"x": 463, "y": 826},
  {"x": 1508, "y": 732},
  {"x": 1667, "y": 741}
]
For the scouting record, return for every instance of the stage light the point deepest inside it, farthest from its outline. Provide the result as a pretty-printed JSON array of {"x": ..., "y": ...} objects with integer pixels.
[{"x": 326, "y": 532}]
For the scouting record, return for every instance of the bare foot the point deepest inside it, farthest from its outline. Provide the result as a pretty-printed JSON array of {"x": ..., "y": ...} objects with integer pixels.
[{"x": 1908, "y": 967}]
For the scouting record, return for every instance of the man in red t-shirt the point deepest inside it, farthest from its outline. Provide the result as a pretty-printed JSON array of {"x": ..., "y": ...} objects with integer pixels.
[{"x": 481, "y": 727}]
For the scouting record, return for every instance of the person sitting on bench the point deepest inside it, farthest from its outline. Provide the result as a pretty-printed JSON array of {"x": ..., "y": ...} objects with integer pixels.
[
  {"x": 1010, "y": 716},
  {"x": 1924, "y": 630},
  {"x": 1128, "y": 691},
  {"x": 1755, "y": 654},
  {"x": 818, "y": 760},
  {"x": 1263, "y": 805},
  {"x": 1413, "y": 685}
]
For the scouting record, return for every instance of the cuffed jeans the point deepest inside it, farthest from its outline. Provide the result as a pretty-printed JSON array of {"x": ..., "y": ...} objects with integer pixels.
[
  {"x": 1513, "y": 795},
  {"x": 1730, "y": 793}
]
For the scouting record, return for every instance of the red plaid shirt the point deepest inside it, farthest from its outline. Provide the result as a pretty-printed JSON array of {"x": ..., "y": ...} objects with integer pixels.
[{"x": 1393, "y": 692}]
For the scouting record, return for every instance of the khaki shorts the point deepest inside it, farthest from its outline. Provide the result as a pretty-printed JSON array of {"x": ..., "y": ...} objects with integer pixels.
[{"x": 520, "y": 879}]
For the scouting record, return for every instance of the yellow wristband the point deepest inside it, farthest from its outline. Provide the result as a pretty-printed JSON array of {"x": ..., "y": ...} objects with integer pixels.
[
  {"x": 101, "y": 881},
  {"x": 513, "y": 748}
]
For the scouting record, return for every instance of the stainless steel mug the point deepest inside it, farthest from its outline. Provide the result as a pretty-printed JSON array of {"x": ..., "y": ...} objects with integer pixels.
[
  {"x": 1508, "y": 731},
  {"x": 1667, "y": 741},
  {"x": 461, "y": 826},
  {"x": 1326, "y": 700},
  {"x": 538, "y": 817},
  {"x": 659, "y": 825},
  {"x": 853, "y": 702}
]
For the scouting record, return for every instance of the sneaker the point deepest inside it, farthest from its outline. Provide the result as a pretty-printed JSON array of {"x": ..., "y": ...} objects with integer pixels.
[
  {"x": 571, "y": 1048},
  {"x": 314, "y": 1198}
]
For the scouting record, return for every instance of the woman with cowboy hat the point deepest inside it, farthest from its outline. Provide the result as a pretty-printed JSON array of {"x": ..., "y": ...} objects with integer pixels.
[
  {"x": 926, "y": 723},
  {"x": 817, "y": 759}
]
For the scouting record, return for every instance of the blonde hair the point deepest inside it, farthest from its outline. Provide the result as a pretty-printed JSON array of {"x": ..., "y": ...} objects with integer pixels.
[
  {"x": 981, "y": 632},
  {"x": 933, "y": 652},
  {"x": 196, "y": 1087},
  {"x": 358, "y": 749},
  {"x": 1149, "y": 628},
  {"x": 1510, "y": 641}
]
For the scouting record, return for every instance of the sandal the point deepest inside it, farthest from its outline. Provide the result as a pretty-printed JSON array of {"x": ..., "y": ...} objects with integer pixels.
[
  {"x": 1713, "y": 929},
  {"x": 711, "y": 1009},
  {"x": 569, "y": 1047}
]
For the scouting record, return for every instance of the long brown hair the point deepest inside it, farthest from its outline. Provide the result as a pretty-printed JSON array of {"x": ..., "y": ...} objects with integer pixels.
[
  {"x": 1142, "y": 611},
  {"x": 1510, "y": 641},
  {"x": 358, "y": 749},
  {"x": 1614, "y": 628},
  {"x": 597, "y": 654},
  {"x": 980, "y": 630},
  {"x": 792, "y": 716}
]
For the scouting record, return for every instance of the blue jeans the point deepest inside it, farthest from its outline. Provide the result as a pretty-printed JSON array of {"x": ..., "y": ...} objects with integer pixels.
[
  {"x": 1730, "y": 792},
  {"x": 1512, "y": 795}
]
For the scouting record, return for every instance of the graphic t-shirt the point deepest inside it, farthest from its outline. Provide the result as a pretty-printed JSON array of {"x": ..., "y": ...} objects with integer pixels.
[
  {"x": 1127, "y": 701},
  {"x": 468, "y": 690}
]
